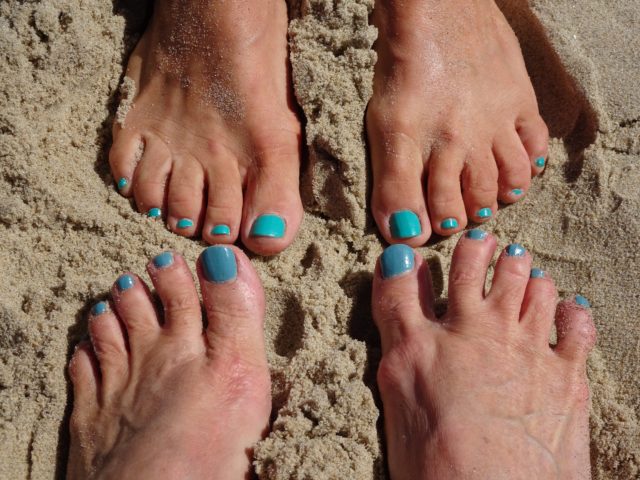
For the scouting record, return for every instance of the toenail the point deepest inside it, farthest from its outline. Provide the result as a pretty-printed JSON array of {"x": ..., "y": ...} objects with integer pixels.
[
  {"x": 123, "y": 182},
  {"x": 449, "y": 223},
  {"x": 154, "y": 213},
  {"x": 540, "y": 161},
  {"x": 516, "y": 192},
  {"x": 163, "y": 260},
  {"x": 537, "y": 273},
  {"x": 99, "y": 308},
  {"x": 269, "y": 225},
  {"x": 219, "y": 264},
  {"x": 221, "y": 230},
  {"x": 484, "y": 213},
  {"x": 583, "y": 302},
  {"x": 515, "y": 250},
  {"x": 396, "y": 260},
  {"x": 476, "y": 234},
  {"x": 404, "y": 224},
  {"x": 125, "y": 282},
  {"x": 184, "y": 223}
]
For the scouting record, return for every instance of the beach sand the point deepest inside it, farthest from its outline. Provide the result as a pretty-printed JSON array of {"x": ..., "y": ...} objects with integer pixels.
[{"x": 65, "y": 233}]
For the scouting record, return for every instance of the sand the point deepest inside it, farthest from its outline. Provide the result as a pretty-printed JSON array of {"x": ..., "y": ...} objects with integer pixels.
[{"x": 66, "y": 233}]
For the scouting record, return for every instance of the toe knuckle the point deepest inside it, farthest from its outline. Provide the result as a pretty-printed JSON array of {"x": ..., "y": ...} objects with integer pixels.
[{"x": 181, "y": 303}]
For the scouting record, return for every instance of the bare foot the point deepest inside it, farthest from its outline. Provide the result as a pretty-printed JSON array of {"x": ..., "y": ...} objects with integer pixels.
[
  {"x": 214, "y": 113},
  {"x": 169, "y": 400},
  {"x": 480, "y": 393},
  {"x": 453, "y": 112}
]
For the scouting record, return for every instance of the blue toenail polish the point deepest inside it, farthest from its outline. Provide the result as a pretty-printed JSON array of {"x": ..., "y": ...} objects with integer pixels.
[
  {"x": 221, "y": 230},
  {"x": 515, "y": 250},
  {"x": 154, "y": 213},
  {"x": 219, "y": 264},
  {"x": 476, "y": 234},
  {"x": 537, "y": 273},
  {"x": 163, "y": 260},
  {"x": 540, "y": 161},
  {"x": 123, "y": 182},
  {"x": 449, "y": 223},
  {"x": 396, "y": 260},
  {"x": 583, "y": 302},
  {"x": 268, "y": 225},
  {"x": 484, "y": 213},
  {"x": 184, "y": 223},
  {"x": 99, "y": 308},
  {"x": 404, "y": 224},
  {"x": 516, "y": 191},
  {"x": 125, "y": 282}
]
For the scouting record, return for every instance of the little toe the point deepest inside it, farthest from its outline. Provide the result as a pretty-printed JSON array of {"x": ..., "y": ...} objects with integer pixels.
[
  {"x": 480, "y": 187},
  {"x": 510, "y": 280},
  {"x": 576, "y": 330},
  {"x": 539, "y": 306},
  {"x": 151, "y": 177},
  {"x": 224, "y": 203},
  {"x": 534, "y": 135},
  {"x": 444, "y": 192},
  {"x": 124, "y": 155},
  {"x": 402, "y": 297},
  {"x": 177, "y": 291},
  {"x": 85, "y": 376},
  {"x": 135, "y": 309},
  {"x": 185, "y": 197},
  {"x": 514, "y": 167}
]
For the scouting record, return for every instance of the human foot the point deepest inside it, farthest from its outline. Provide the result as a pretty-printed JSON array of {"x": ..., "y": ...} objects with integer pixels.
[
  {"x": 168, "y": 400},
  {"x": 213, "y": 111},
  {"x": 480, "y": 393},
  {"x": 452, "y": 107}
]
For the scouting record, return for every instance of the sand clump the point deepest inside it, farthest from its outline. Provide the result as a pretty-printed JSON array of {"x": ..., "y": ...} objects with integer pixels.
[{"x": 66, "y": 234}]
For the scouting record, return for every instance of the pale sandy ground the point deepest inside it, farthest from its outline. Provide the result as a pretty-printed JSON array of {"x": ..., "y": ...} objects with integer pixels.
[{"x": 66, "y": 234}]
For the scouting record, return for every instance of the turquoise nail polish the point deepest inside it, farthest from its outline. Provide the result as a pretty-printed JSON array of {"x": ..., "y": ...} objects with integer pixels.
[
  {"x": 184, "y": 223},
  {"x": 583, "y": 302},
  {"x": 219, "y": 264},
  {"x": 516, "y": 191},
  {"x": 404, "y": 224},
  {"x": 484, "y": 213},
  {"x": 540, "y": 161},
  {"x": 396, "y": 260},
  {"x": 125, "y": 282},
  {"x": 476, "y": 234},
  {"x": 99, "y": 308},
  {"x": 515, "y": 250},
  {"x": 163, "y": 260},
  {"x": 221, "y": 230},
  {"x": 537, "y": 273},
  {"x": 449, "y": 223},
  {"x": 123, "y": 182},
  {"x": 154, "y": 213},
  {"x": 268, "y": 225}
]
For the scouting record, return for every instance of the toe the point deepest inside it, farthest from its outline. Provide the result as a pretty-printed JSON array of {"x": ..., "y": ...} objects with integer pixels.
[
  {"x": 510, "y": 280},
  {"x": 576, "y": 331},
  {"x": 84, "y": 373},
  {"x": 402, "y": 298},
  {"x": 444, "y": 192},
  {"x": 150, "y": 181},
  {"x": 185, "y": 197},
  {"x": 175, "y": 287},
  {"x": 224, "y": 202},
  {"x": 135, "y": 309},
  {"x": 514, "y": 167},
  {"x": 534, "y": 135},
  {"x": 124, "y": 155},
  {"x": 234, "y": 303},
  {"x": 539, "y": 306},
  {"x": 480, "y": 187}
]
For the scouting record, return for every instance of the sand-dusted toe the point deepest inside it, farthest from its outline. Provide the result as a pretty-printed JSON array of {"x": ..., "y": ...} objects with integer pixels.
[
  {"x": 575, "y": 329},
  {"x": 539, "y": 306}
]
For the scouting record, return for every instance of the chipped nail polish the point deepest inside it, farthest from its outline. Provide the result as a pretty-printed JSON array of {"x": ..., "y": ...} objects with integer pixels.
[{"x": 537, "y": 273}]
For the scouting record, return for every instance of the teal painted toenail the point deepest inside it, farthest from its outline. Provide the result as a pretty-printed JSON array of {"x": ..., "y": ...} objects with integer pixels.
[
  {"x": 516, "y": 191},
  {"x": 396, "y": 260},
  {"x": 515, "y": 250},
  {"x": 484, "y": 213},
  {"x": 99, "y": 308},
  {"x": 184, "y": 223},
  {"x": 583, "y": 302},
  {"x": 476, "y": 234},
  {"x": 537, "y": 273},
  {"x": 123, "y": 182},
  {"x": 219, "y": 264},
  {"x": 154, "y": 213},
  {"x": 404, "y": 224},
  {"x": 449, "y": 223},
  {"x": 268, "y": 225},
  {"x": 125, "y": 282},
  {"x": 163, "y": 260},
  {"x": 540, "y": 161},
  {"x": 221, "y": 230}
]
